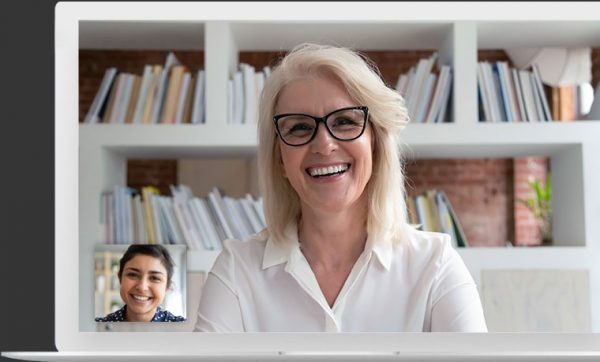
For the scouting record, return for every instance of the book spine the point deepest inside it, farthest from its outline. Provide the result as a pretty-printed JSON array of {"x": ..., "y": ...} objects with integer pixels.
[{"x": 100, "y": 98}]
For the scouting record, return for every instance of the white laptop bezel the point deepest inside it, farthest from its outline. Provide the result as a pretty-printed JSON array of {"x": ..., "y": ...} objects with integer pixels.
[{"x": 68, "y": 335}]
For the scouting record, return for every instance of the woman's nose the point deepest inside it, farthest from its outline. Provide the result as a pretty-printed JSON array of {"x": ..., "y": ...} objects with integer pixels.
[
  {"x": 323, "y": 142},
  {"x": 143, "y": 284}
]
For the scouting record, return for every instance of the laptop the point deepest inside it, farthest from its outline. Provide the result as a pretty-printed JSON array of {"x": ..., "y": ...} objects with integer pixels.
[{"x": 78, "y": 337}]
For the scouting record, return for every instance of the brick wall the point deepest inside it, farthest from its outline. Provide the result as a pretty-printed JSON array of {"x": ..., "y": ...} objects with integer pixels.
[
  {"x": 480, "y": 191},
  {"x": 157, "y": 173}
]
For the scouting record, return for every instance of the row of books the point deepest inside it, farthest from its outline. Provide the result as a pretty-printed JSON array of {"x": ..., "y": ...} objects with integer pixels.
[
  {"x": 433, "y": 212},
  {"x": 161, "y": 94},
  {"x": 511, "y": 95},
  {"x": 202, "y": 223},
  {"x": 243, "y": 93},
  {"x": 425, "y": 92}
]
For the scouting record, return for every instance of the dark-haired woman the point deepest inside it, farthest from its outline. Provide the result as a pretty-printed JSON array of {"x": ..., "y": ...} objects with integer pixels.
[{"x": 145, "y": 273}]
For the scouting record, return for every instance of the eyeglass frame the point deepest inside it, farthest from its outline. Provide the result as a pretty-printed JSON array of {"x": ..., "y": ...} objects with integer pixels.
[{"x": 323, "y": 120}]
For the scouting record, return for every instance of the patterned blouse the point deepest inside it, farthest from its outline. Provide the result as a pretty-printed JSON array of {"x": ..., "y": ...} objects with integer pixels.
[{"x": 159, "y": 316}]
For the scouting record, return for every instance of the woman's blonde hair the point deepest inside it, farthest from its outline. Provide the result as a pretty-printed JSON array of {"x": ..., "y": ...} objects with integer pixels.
[{"x": 387, "y": 218}]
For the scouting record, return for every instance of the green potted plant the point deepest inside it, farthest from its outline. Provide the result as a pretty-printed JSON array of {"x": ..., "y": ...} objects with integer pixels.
[{"x": 540, "y": 205}]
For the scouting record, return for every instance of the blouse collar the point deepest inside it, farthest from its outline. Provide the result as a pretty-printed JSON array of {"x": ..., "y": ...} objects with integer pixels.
[{"x": 279, "y": 253}]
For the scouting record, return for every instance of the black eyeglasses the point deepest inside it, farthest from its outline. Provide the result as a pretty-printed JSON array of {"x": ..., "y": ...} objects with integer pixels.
[{"x": 345, "y": 124}]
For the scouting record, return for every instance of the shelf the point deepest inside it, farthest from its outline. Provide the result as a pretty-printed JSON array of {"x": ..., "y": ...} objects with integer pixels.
[
  {"x": 444, "y": 140},
  {"x": 171, "y": 141}
]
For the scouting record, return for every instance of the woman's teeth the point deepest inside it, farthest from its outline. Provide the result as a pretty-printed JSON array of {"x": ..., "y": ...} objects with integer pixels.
[
  {"x": 140, "y": 298},
  {"x": 328, "y": 171}
]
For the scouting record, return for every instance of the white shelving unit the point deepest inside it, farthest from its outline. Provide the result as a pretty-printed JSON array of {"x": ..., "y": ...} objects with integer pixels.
[{"x": 572, "y": 147}]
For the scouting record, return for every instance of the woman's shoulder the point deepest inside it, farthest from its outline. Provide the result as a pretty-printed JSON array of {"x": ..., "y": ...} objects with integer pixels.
[
  {"x": 425, "y": 246},
  {"x": 254, "y": 244},
  {"x": 427, "y": 240},
  {"x": 246, "y": 253},
  {"x": 166, "y": 316},
  {"x": 117, "y": 316}
]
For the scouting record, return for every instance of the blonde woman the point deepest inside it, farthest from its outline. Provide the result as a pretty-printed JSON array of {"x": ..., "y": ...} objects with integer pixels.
[{"x": 338, "y": 254}]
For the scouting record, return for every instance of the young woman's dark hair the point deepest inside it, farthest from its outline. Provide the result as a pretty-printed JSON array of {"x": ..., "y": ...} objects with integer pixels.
[{"x": 157, "y": 251}]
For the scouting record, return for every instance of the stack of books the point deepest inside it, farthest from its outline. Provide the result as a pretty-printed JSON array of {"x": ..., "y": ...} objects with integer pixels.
[
  {"x": 243, "y": 93},
  {"x": 168, "y": 93},
  {"x": 511, "y": 95},
  {"x": 202, "y": 223},
  {"x": 431, "y": 210},
  {"x": 426, "y": 93}
]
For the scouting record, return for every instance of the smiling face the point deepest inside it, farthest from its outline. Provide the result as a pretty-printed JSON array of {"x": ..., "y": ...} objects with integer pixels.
[
  {"x": 327, "y": 174},
  {"x": 143, "y": 287}
]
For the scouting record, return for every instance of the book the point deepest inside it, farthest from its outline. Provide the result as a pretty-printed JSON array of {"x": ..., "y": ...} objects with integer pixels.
[
  {"x": 189, "y": 100},
  {"x": 251, "y": 215},
  {"x": 93, "y": 115},
  {"x": 231, "y": 215},
  {"x": 436, "y": 222},
  {"x": 181, "y": 98},
  {"x": 402, "y": 83},
  {"x": 426, "y": 100},
  {"x": 421, "y": 208},
  {"x": 140, "y": 231},
  {"x": 210, "y": 222},
  {"x": 151, "y": 94},
  {"x": 135, "y": 92},
  {"x": 416, "y": 90},
  {"x": 504, "y": 92},
  {"x": 540, "y": 91},
  {"x": 161, "y": 85},
  {"x": 239, "y": 98},
  {"x": 197, "y": 225},
  {"x": 507, "y": 75},
  {"x": 528, "y": 96},
  {"x": 110, "y": 113},
  {"x": 149, "y": 214},
  {"x": 172, "y": 94},
  {"x": 446, "y": 104},
  {"x": 140, "y": 102},
  {"x": 249, "y": 100},
  {"x": 445, "y": 218},
  {"x": 123, "y": 100},
  {"x": 411, "y": 211},
  {"x": 461, "y": 240},
  {"x": 519, "y": 95},
  {"x": 484, "y": 92},
  {"x": 198, "y": 103},
  {"x": 217, "y": 206},
  {"x": 438, "y": 95}
]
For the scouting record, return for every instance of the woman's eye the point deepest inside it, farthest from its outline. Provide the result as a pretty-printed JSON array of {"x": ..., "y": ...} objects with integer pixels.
[
  {"x": 344, "y": 122},
  {"x": 132, "y": 275},
  {"x": 300, "y": 127},
  {"x": 156, "y": 279}
]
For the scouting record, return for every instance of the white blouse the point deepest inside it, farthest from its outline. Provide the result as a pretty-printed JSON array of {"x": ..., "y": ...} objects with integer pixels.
[{"x": 418, "y": 285}]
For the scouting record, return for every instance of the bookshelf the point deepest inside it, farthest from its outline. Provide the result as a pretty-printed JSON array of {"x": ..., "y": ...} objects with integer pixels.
[{"x": 571, "y": 147}]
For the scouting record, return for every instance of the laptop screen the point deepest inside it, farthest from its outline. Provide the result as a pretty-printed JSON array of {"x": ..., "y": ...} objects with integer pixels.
[{"x": 158, "y": 169}]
